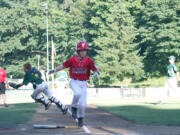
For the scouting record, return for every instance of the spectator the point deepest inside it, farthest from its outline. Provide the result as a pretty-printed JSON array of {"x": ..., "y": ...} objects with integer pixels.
[{"x": 3, "y": 84}]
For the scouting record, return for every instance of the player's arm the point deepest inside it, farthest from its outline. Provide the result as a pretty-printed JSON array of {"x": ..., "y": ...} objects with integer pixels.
[
  {"x": 64, "y": 65},
  {"x": 94, "y": 68},
  {"x": 14, "y": 85},
  {"x": 26, "y": 81},
  {"x": 177, "y": 72},
  {"x": 178, "y": 77},
  {"x": 20, "y": 84},
  {"x": 59, "y": 68}
]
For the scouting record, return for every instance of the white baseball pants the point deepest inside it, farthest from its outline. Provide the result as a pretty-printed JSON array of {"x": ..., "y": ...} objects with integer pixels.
[
  {"x": 80, "y": 96},
  {"x": 171, "y": 85},
  {"x": 43, "y": 87}
]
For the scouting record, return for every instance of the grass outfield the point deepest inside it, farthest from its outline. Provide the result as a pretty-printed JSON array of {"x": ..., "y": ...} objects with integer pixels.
[
  {"x": 151, "y": 82},
  {"x": 17, "y": 114},
  {"x": 144, "y": 111}
]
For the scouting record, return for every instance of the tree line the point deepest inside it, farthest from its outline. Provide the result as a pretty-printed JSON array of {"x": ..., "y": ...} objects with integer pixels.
[{"x": 127, "y": 38}]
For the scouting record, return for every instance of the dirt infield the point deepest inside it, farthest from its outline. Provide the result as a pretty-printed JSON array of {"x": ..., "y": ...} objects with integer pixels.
[{"x": 97, "y": 121}]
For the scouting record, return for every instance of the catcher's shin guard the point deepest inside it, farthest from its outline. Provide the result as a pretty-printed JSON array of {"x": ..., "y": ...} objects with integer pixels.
[
  {"x": 53, "y": 99},
  {"x": 63, "y": 108},
  {"x": 47, "y": 104}
]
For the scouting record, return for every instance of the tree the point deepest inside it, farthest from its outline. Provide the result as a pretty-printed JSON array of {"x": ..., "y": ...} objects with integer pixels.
[
  {"x": 22, "y": 31},
  {"x": 113, "y": 35},
  {"x": 159, "y": 34}
]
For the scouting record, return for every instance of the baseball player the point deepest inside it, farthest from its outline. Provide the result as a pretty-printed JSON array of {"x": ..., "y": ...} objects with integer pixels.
[
  {"x": 3, "y": 84},
  {"x": 79, "y": 70},
  {"x": 32, "y": 75},
  {"x": 172, "y": 71}
]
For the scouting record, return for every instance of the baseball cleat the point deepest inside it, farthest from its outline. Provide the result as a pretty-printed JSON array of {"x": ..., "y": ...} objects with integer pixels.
[
  {"x": 80, "y": 122},
  {"x": 159, "y": 103},
  {"x": 64, "y": 109},
  {"x": 47, "y": 105},
  {"x": 74, "y": 112}
]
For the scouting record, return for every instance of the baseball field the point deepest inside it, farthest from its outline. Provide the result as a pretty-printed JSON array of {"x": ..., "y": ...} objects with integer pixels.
[{"x": 104, "y": 117}]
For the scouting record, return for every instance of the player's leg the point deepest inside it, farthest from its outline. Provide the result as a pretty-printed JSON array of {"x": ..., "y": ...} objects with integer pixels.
[
  {"x": 41, "y": 99},
  {"x": 82, "y": 104},
  {"x": 37, "y": 90},
  {"x": 53, "y": 99},
  {"x": 36, "y": 95},
  {"x": 4, "y": 100},
  {"x": 75, "y": 86},
  {"x": 3, "y": 88},
  {"x": 166, "y": 89},
  {"x": 172, "y": 86}
]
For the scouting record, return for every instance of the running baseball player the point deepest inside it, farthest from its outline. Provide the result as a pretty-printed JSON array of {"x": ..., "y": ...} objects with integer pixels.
[
  {"x": 171, "y": 83},
  {"x": 32, "y": 75},
  {"x": 79, "y": 70}
]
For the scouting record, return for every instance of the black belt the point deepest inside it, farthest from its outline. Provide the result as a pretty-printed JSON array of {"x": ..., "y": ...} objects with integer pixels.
[{"x": 78, "y": 79}]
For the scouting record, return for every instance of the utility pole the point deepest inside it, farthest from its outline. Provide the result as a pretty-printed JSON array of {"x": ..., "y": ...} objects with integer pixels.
[
  {"x": 47, "y": 39},
  {"x": 52, "y": 58}
]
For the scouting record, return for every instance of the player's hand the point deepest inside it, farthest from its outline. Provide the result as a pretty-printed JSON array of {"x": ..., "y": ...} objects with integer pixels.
[
  {"x": 51, "y": 71},
  {"x": 96, "y": 74},
  {"x": 17, "y": 86},
  {"x": 14, "y": 85}
]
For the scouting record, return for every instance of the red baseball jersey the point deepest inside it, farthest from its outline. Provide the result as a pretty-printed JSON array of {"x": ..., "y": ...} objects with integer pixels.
[
  {"x": 2, "y": 75},
  {"x": 80, "y": 68}
]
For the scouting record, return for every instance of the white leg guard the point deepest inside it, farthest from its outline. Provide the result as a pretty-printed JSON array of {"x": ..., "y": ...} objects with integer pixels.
[
  {"x": 41, "y": 100},
  {"x": 53, "y": 99}
]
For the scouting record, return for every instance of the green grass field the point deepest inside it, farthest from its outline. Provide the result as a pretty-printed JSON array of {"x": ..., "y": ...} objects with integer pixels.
[
  {"x": 144, "y": 111},
  {"x": 151, "y": 82},
  {"x": 17, "y": 114},
  {"x": 154, "y": 82}
]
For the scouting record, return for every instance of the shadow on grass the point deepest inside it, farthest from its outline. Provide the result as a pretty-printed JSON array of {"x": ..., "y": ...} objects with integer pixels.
[
  {"x": 18, "y": 114},
  {"x": 146, "y": 115}
]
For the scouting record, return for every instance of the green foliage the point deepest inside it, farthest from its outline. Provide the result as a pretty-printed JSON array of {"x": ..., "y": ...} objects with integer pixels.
[
  {"x": 154, "y": 82},
  {"x": 159, "y": 36},
  {"x": 126, "y": 37},
  {"x": 22, "y": 31},
  {"x": 113, "y": 33}
]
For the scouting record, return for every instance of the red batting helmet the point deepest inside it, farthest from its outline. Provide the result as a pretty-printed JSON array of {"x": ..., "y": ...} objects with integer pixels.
[{"x": 82, "y": 45}]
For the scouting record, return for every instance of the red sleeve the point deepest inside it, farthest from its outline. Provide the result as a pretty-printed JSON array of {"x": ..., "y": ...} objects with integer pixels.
[
  {"x": 67, "y": 63},
  {"x": 93, "y": 65}
]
